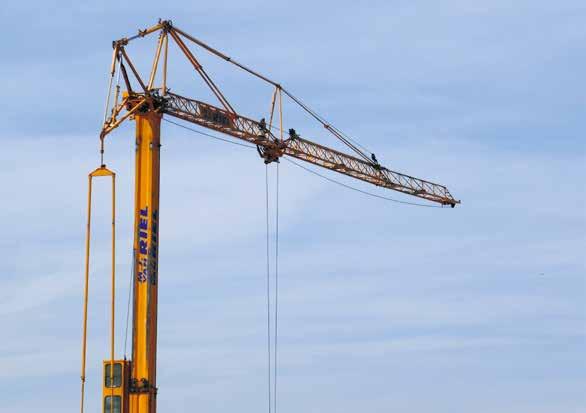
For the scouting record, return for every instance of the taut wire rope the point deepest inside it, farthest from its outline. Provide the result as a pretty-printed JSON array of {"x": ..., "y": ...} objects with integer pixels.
[
  {"x": 385, "y": 198},
  {"x": 348, "y": 141},
  {"x": 268, "y": 285},
  {"x": 272, "y": 340},
  {"x": 276, "y": 287}
]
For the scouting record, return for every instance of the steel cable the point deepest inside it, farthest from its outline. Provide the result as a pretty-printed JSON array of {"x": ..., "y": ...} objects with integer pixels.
[
  {"x": 276, "y": 288},
  {"x": 398, "y": 201},
  {"x": 351, "y": 143},
  {"x": 268, "y": 284}
]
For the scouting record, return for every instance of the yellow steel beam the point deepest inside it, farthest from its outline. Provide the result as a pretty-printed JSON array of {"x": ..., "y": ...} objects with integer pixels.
[{"x": 146, "y": 224}]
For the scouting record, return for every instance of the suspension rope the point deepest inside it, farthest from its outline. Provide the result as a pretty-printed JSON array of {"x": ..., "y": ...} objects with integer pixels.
[
  {"x": 360, "y": 190},
  {"x": 398, "y": 201},
  {"x": 272, "y": 339},
  {"x": 209, "y": 135},
  {"x": 276, "y": 286},
  {"x": 348, "y": 141},
  {"x": 351, "y": 143},
  {"x": 268, "y": 284}
]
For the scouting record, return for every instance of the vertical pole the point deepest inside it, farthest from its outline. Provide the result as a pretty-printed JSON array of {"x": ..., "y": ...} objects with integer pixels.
[
  {"x": 146, "y": 224},
  {"x": 165, "y": 58},
  {"x": 86, "y": 291},
  {"x": 156, "y": 60},
  {"x": 101, "y": 171},
  {"x": 281, "y": 113},
  {"x": 272, "y": 109}
]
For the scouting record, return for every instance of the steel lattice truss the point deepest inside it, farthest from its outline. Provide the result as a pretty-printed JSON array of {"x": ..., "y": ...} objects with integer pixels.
[{"x": 259, "y": 133}]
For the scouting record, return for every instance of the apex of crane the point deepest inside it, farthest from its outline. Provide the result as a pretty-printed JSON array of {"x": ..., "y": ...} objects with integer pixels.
[{"x": 166, "y": 24}]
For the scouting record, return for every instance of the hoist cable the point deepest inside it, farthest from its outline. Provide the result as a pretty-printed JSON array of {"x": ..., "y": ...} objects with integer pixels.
[
  {"x": 276, "y": 287},
  {"x": 398, "y": 201},
  {"x": 209, "y": 135},
  {"x": 268, "y": 284}
]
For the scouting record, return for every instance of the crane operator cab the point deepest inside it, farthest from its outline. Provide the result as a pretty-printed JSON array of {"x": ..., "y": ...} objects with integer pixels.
[{"x": 115, "y": 385}]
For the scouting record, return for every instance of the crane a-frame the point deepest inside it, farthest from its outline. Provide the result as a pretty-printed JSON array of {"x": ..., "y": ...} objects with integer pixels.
[{"x": 130, "y": 386}]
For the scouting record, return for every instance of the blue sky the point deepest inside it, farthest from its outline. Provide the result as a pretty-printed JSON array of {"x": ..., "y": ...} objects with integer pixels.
[{"x": 383, "y": 307}]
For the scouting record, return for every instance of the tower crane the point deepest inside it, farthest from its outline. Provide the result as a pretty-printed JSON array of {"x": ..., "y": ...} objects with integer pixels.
[{"x": 130, "y": 386}]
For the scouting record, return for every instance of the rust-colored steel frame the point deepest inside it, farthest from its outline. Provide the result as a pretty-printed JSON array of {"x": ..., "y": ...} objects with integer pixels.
[
  {"x": 226, "y": 120},
  {"x": 240, "y": 127}
]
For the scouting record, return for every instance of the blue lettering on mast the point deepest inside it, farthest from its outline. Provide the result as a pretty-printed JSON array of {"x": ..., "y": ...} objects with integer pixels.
[{"x": 142, "y": 262}]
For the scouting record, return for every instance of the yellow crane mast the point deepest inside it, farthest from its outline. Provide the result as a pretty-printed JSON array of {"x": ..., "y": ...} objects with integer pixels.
[{"x": 130, "y": 386}]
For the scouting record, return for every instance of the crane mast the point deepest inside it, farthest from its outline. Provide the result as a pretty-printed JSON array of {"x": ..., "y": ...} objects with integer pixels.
[
  {"x": 130, "y": 386},
  {"x": 143, "y": 384}
]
